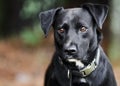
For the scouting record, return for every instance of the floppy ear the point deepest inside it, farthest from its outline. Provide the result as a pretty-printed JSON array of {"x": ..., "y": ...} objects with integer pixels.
[
  {"x": 47, "y": 18},
  {"x": 98, "y": 11}
]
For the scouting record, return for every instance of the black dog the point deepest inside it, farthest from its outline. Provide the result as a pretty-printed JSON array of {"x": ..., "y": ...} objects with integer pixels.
[{"x": 79, "y": 59}]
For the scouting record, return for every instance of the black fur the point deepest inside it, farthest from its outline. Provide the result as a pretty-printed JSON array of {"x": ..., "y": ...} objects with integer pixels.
[{"x": 77, "y": 35}]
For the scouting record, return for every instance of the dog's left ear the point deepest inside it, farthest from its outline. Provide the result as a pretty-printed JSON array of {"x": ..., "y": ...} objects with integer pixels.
[
  {"x": 47, "y": 18},
  {"x": 98, "y": 11}
]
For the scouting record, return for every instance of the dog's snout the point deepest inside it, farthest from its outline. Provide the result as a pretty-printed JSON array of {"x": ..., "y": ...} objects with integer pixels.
[{"x": 71, "y": 50}]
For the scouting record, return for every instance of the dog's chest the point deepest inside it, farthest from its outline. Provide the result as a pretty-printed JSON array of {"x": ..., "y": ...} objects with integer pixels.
[{"x": 77, "y": 81}]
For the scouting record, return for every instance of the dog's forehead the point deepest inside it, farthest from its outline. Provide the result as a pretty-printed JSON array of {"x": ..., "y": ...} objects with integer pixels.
[{"x": 75, "y": 13}]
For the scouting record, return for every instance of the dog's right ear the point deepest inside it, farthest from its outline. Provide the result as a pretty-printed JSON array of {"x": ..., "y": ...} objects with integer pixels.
[
  {"x": 98, "y": 11},
  {"x": 47, "y": 18}
]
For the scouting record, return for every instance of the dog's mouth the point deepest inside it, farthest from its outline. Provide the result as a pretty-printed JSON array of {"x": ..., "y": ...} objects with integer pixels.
[
  {"x": 76, "y": 61},
  {"x": 73, "y": 63}
]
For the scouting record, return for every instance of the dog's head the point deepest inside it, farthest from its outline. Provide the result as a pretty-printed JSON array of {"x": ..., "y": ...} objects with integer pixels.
[{"x": 76, "y": 30}]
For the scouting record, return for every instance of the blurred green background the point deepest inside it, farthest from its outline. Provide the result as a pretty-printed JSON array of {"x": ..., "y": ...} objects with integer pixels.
[{"x": 25, "y": 53}]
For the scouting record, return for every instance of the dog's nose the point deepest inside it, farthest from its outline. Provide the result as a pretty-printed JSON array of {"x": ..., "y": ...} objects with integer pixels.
[{"x": 71, "y": 50}]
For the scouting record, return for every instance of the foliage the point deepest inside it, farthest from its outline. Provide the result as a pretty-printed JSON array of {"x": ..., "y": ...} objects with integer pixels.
[
  {"x": 33, "y": 36},
  {"x": 32, "y": 7}
]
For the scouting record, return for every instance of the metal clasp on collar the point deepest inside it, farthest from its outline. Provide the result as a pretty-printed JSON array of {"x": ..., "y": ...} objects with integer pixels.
[{"x": 68, "y": 74}]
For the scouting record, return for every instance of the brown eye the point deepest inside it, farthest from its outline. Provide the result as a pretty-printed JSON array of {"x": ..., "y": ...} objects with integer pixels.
[
  {"x": 83, "y": 29},
  {"x": 61, "y": 30}
]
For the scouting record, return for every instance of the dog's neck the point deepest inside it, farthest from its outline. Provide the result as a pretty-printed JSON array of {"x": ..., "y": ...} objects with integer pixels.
[{"x": 84, "y": 72}]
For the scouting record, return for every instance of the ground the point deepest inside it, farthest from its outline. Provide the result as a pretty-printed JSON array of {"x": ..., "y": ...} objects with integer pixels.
[{"x": 22, "y": 65}]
